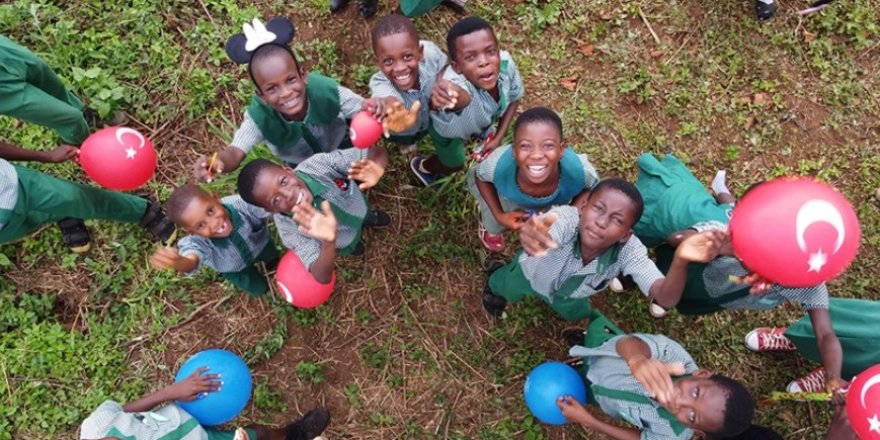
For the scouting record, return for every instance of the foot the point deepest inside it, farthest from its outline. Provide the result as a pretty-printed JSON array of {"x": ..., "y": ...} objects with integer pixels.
[
  {"x": 310, "y": 426},
  {"x": 417, "y": 167},
  {"x": 573, "y": 336},
  {"x": 493, "y": 242},
  {"x": 157, "y": 222},
  {"x": 336, "y": 5},
  {"x": 94, "y": 120},
  {"x": 377, "y": 219},
  {"x": 75, "y": 235},
  {"x": 493, "y": 304},
  {"x": 656, "y": 310},
  {"x": 769, "y": 339},
  {"x": 368, "y": 8},
  {"x": 765, "y": 9},
  {"x": 813, "y": 382},
  {"x": 719, "y": 183}
]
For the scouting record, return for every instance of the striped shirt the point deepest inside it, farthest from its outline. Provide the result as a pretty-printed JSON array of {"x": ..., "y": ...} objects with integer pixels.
[
  {"x": 429, "y": 68},
  {"x": 331, "y": 170},
  {"x": 222, "y": 255},
  {"x": 329, "y": 136},
  {"x": 716, "y": 277},
  {"x": 483, "y": 110},
  {"x": 607, "y": 369},
  {"x": 8, "y": 191},
  {"x": 548, "y": 273},
  {"x": 110, "y": 420}
]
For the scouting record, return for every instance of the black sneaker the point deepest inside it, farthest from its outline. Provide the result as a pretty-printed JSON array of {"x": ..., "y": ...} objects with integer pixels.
[
  {"x": 457, "y": 6},
  {"x": 75, "y": 235},
  {"x": 336, "y": 5},
  {"x": 94, "y": 120},
  {"x": 764, "y": 11},
  {"x": 358, "y": 250},
  {"x": 157, "y": 222},
  {"x": 377, "y": 219},
  {"x": 573, "y": 336},
  {"x": 368, "y": 8},
  {"x": 493, "y": 304},
  {"x": 310, "y": 426}
]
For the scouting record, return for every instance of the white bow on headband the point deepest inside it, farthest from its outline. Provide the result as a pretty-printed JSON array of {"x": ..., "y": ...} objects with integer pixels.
[{"x": 257, "y": 35}]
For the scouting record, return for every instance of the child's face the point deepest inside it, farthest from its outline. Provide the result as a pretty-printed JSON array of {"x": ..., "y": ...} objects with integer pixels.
[
  {"x": 699, "y": 403},
  {"x": 607, "y": 218},
  {"x": 537, "y": 148},
  {"x": 478, "y": 58},
  {"x": 281, "y": 85},
  {"x": 205, "y": 216},
  {"x": 398, "y": 56},
  {"x": 277, "y": 189}
]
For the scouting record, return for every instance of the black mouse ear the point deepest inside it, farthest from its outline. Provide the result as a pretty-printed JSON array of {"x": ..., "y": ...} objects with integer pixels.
[
  {"x": 283, "y": 30},
  {"x": 235, "y": 48}
]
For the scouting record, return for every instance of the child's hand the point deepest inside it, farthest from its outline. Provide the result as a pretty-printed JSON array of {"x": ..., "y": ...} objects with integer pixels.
[
  {"x": 367, "y": 172},
  {"x": 513, "y": 220},
  {"x": 759, "y": 285},
  {"x": 397, "y": 118},
  {"x": 165, "y": 258},
  {"x": 837, "y": 387},
  {"x": 194, "y": 386},
  {"x": 376, "y": 106},
  {"x": 60, "y": 153},
  {"x": 444, "y": 95},
  {"x": 319, "y": 225},
  {"x": 534, "y": 236},
  {"x": 491, "y": 143},
  {"x": 241, "y": 434},
  {"x": 703, "y": 247},
  {"x": 574, "y": 412},
  {"x": 205, "y": 168},
  {"x": 656, "y": 377}
]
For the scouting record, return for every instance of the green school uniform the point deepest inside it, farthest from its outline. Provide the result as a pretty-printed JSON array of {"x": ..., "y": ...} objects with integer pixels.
[
  {"x": 169, "y": 422},
  {"x": 415, "y": 8}
]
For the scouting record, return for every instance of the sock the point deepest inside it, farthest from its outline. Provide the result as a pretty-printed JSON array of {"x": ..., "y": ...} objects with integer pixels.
[{"x": 718, "y": 184}]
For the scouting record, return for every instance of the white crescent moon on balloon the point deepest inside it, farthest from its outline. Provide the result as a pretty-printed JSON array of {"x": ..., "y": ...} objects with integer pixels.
[
  {"x": 352, "y": 134},
  {"x": 284, "y": 291},
  {"x": 871, "y": 382},
  {"x": 816, "y": 211},
  {"x": 122, "y": 131}
]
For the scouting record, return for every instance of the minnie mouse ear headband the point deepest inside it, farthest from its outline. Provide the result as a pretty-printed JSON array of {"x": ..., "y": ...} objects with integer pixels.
[{"x": 240, "y": 47}]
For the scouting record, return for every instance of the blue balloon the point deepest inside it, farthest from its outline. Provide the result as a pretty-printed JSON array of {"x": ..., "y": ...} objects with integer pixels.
[
  {"x": 222, "y": 406},
  {"x": 547, "y": 383}
]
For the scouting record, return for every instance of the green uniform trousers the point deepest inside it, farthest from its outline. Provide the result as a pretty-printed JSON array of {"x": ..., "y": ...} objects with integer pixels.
[
  {"x": 510, "y": 283},
  {"x": 450, "y": 152},
  {"x": 250, "y": 279},
  {"x": 218, "y": 434},
  {"x": 43, "y": 199},
  {"x": 30, "y": 91},
  {"x": 415, "y": 8}
]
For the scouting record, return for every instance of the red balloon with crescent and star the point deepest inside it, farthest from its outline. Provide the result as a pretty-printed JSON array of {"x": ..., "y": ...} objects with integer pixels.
[
  {"x": 863, "y": 404},
  {"x": 297, "y": 285},
  {"x": 796, "y": 232},
  {"x": 118, "y": 158},
  {"x": 365, "y": 130}
]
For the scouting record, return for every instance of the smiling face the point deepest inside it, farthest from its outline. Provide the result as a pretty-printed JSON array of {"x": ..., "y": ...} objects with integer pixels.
[
  {"x": 537, "y": 148},
  {"x": 281, "y": 85},
  {"x": 699, "y": 403},
  {"x": 478, "y": 58},
  {"x": 277, "y": 189},
  {"x": 398, "y": 56},
  {"x": 607, "y": 218},
  {"x": 205, "y": 216}
]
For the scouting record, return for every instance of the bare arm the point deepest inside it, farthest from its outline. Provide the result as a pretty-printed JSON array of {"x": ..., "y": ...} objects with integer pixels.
[
  {"x": 185, "y": 390},
  {"x": 228, "y": 160},
  {"x": 322, "y": 268},
  {"x": 699, "y": 248},
  {"x": 13, "y": 152},
  {"x": 829, "y": 349},
  {"x": 574, "y": 412}
]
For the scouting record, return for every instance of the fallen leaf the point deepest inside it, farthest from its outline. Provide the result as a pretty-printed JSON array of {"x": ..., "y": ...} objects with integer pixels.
[
  {"x": 606, "y": 16},
  {"x": 16, "y": 123},
  {"x": 587, "y": 49},
  {"x": 750, "y": 122},
  {"x": 761, "y": 99},
  {"x": 809, "y": 36},
  {"x": 656, "y": 53},
  {"x": 569, "y": 83},
  {"x": 744, "y": 100}
]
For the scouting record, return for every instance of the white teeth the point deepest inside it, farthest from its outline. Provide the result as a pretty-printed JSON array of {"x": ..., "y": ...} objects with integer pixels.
[
  {"x": 537, "y": 169},
  {"x": 402, "y": 77},
  {"x": 299, "y": 199}
]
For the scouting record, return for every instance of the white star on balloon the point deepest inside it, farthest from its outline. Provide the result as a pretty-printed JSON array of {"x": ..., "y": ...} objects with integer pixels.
[
  {"x": 130, "y": 153},
  {"x": 817, "y": 260},
  {"x": 875, "y": 424}
]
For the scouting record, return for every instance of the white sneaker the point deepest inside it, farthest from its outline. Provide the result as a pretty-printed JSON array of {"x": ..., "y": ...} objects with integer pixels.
[
  {"x": 616, "y": 285},
  {"x": 813, "y": 382},
  {"x": 656, "y": 310},
  {"x": 769, "y": 339}
]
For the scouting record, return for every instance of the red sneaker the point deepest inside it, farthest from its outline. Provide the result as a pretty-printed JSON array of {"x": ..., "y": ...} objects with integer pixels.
[
  {"x": 493, "y": 242},
  {"x": 769, "y": 339},
  {"x": 813, "y": 382}
]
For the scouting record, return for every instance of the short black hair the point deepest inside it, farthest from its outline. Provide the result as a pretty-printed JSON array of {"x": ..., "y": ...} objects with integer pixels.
[
  {"x": 392, "y": 24},
  {"x": 268, "y": 51},
  {"x": 627, "y": 188},
  {"x": 538, "y": 114},
  {"x": 757, "y": 432},
  {"x": 739, "y": 409},
  {"x": 466, "y": 26},
  {"x": 247, "y": 179},
  {"x": 180, "y": 198}
]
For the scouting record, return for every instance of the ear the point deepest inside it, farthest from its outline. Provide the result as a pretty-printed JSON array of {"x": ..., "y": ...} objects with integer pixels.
[
  {"x": 626, "y": 236},
  {"x": 703, "y": 373},
  {"x": 421, "y": 51},
  {"x": 455, "y": 67}
]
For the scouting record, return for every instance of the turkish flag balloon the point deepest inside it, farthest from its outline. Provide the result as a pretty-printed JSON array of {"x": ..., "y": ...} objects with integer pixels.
[
  {"x": 297, "y": 285},
  {"x": 796, "y": 232},
  {"x": 863, "y": 404},
  {"x": 365, "y": 130},
  {"x": 118, "y": 158}
]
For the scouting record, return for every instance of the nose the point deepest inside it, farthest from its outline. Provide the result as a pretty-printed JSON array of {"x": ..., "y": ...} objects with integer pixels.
[{"x": 602, "y": 221}]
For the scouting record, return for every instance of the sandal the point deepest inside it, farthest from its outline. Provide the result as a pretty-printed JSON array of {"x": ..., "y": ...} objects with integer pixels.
[
  {"x": 157, "y": 222},
  {"x": 75, "y": 235}
]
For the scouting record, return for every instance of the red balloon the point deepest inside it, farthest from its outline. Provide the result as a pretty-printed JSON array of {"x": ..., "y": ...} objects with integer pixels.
[
  {"x": 863, "y": 404},
  {"x": 365, "y": 130},
  {"x": 118, "y": 158},
  {"x": 297, "y": 285},
  {"x": 796, "y": 232}
]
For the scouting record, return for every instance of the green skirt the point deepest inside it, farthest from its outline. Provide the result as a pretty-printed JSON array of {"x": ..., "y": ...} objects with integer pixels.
[{"x": 415, "y": 8}]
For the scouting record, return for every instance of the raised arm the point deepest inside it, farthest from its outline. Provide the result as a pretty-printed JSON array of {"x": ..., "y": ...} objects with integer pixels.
[{"x": 185, "y": 390}]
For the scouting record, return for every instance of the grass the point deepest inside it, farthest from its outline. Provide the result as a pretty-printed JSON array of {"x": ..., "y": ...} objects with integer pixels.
[{"x": 403, "y": 349}]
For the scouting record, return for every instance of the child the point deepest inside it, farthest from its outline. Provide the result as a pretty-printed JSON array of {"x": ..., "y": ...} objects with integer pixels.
[
  {"x": 30, "y": 199},
  {"x": 675, "y": 199},
  {"x": 408, "y": 68},
  {"x": 482, "y": 86},
  {"x": 533, "y": 174},
  {"x": 572, "y": 252},
  {"x": 227, "y": 234},
  {"x": 140, "y": 420},
  {"x": 630, "y": 377},
  {"x": 319, "y": 193},
  {"x": 295, "y": 114}
]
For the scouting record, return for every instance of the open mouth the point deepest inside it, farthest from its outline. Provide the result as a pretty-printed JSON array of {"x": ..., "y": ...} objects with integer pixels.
[
  {"x": 488, "y": 77},
  {"x": 403, "y": 79},
  {"x": 290, "y": 104},
  {"x": 224, "y": 226},
  {"x": 299, "y": 198},
  {"x": 536, "y": 170}
]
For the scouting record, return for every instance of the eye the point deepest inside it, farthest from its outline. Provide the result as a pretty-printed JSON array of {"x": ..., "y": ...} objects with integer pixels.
[
  {"x": 271, "y": 89},
  {"x": 407, "y": 57},
  {"x": 616, "y": 220},
  {"x": 469, "y": 57},
  {"x": 387, "y": 61},
  {"x": 695, "y": 392},
  {"x": 284, "y": 181},
  {"x": 200, "y": 225},
  {"x": 211, "y": 211},
  {"x": 492, "y": 50}
]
